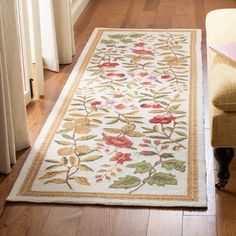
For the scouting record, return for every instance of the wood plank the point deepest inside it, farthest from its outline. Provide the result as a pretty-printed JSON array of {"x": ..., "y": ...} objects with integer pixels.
[
  {"x": 62, "y": 220},
  {"x": 184, "y": 15},
  {"x": 226, "y": 207},
  {"x": 165, "y": 222},
  {"x": 199, "y": 225},
  {"x": 134, "y": 11},
  {"x": 165, "y": 14},
  {"x": 96, "y": 220},
  {"x": 23, "y": 219},
  {"x": 109, "y": 14},
  {"x": 8, "y": 181},
  {"x": 147, "y": 20},
  {"x": 131, "y": 221},
  {"x": 151, "y": 5}
]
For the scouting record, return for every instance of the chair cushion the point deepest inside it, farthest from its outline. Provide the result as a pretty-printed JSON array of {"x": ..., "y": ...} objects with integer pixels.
[
  {"x": 223, "y": 84},
  {"x": 223, "y": 128}
]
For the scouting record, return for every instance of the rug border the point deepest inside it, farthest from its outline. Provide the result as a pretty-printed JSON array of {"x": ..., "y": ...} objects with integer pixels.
[{"x": 201, "y": 164}]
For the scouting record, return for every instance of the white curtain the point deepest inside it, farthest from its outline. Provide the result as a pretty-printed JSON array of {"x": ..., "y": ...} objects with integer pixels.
[
  {"x": 57, "y": 36},
  {"x": 13, "y": 122}
]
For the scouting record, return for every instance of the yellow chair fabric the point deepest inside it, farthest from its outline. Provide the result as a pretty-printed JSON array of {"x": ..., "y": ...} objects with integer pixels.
[{"x": 220, "y": 28}]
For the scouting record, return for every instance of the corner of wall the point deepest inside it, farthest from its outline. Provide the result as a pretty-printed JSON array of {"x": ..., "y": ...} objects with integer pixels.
[{"x": 77, "y": 7}]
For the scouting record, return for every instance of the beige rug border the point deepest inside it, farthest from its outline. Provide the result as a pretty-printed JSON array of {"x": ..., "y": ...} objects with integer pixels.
[{"x": 99, "y": 200}]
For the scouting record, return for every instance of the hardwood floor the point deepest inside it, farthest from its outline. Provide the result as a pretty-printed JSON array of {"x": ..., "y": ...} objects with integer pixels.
[{"x": 59, "y": 220}]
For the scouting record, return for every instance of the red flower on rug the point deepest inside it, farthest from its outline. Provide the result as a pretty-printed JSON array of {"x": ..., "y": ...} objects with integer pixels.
[
  {"x": 120, "y": 157},
  {"x": 143, "y": 74},
  {"x": 162, "y": 119},
  {"x": 115, "y": 75},
  {"x": 146, "y": 105},
  {"x": 95, "y": 103},
  {"x": 145, "y": 140},
  {"x": 156, "y": 105},
  {"x": 108, "y": 65},
  {"x": 140, "y": 44},
  {"x": 146, "y": 83},
  {"x": 120, "y": 106},
  {"x": 117, "y": 141},
  {"x": 165, "y": 77},
  {"x": 157, "y": 142},
  {"x": 164, "y": 147},
  {"x": 144, "y": 145},
  {"x": 118, "y": 95},
  {"x": 142, "y": 52}
]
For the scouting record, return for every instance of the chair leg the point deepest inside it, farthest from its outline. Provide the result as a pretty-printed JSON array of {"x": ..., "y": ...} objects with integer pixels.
[{"x": 223, "y": 156}]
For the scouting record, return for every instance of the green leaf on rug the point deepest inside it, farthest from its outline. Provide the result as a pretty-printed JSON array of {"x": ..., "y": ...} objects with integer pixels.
[
  {"x": 112, "y": 121},
  {"x": 140, "y": 167},
  {"x": 112, "y": 130},
  {"x": 127, "y": 41},
  {"x": 96, "y": 121},
  {"x": 128, "y": 127},
  {"x": 157, "y": 137},
  {"x": 147, "y": 58},
  {"x": 131, "y": 56},
  {"x": 64, "y": 131},
  {"x": 105, "y": 41},
  {"x": 136, "y": 35},
  {"x": 126, "y": 182},
  {"x": 134, "y": 134},
  {"x": 162, "y": 179},
  {"x": 87, "y": 137},
  {"x": 179, "y": 112},
  {"x": 84, "y": 168},
  {"x": 79, "y": 115},
  {"x": 116, "y": 36},
  {"x": 52, "y": 161},
  {"x": 91, "y": 158},
  {"x": 181, "y": 133},
  {"x": 81, "y": 180},
  {"x": 167, "y": 155},
  {"x": 56, "y": 181},
  {"x": 174, "y": 164},
  {"x": 179, "y": 139},
  {"x": 145, "y": 99},
  {"x": 97, "y": 115},
  {"x": 83, "y": 149},
  {"x": 51, "y": 174},
  {"x": 65, "y": 151},
  {"x": 63, "y": 142},
  {"x": 67, "y": 136},
  {"x": 164, "y": 35},
  {"x": 148, "y": 153},
  {"x": 52, "y": 167}
]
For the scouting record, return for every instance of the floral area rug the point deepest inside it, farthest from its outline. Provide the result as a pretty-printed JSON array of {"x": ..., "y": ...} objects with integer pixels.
[{"x": 127, "y": 128}]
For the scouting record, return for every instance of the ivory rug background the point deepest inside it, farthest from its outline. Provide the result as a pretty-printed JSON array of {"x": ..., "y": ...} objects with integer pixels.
[{"x": 127, "y": 128}]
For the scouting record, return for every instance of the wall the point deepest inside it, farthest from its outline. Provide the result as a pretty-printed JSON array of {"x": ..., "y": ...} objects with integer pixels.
[{"x": 77, "y": 6}]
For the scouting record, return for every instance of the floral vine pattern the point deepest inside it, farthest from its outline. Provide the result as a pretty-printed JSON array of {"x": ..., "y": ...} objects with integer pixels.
[{"x": 126, "y": 128}]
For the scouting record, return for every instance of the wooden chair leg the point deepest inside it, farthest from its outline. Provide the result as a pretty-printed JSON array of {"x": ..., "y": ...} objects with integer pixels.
[{"x": 223, "y": 156}]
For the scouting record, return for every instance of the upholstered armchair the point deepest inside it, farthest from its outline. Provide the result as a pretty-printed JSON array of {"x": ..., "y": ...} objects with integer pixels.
[{"x": 221, "y": 28}]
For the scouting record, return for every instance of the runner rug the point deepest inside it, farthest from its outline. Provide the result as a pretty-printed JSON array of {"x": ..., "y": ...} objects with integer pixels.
[{"x": 127, "y": 128}]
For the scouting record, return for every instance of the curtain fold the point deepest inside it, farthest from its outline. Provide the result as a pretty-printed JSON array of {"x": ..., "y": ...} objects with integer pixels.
[
  {"x": 57, "y": 36},
  {"x": 13, "y": 119}
]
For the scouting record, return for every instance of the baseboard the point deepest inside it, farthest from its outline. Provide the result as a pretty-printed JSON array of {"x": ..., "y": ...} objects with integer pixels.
[{"x": 77, "y": 8}]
